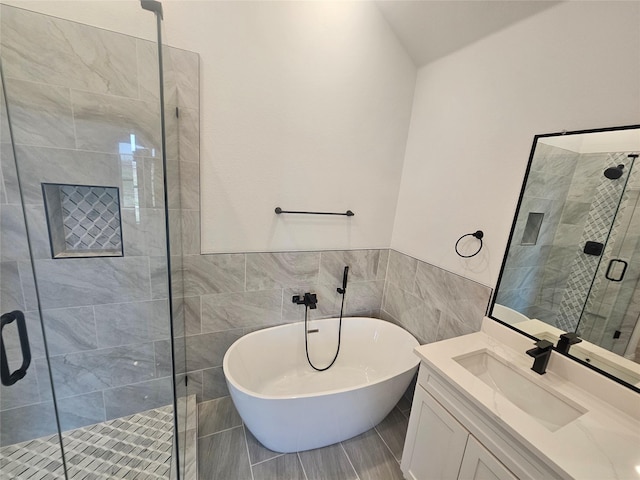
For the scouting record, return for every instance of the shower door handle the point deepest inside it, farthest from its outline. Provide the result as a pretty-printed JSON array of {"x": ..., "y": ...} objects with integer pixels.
[
  {"x": 6, "y": 377},
  {"x": 610, "y": 267}
]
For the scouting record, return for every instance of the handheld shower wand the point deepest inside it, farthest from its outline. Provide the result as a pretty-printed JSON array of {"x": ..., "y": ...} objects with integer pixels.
[{"x": 345, "y": 274}]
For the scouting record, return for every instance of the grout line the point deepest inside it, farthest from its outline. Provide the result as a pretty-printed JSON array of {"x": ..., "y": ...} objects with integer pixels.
[
  {"x": 221, "y": 431},
  {"x": 73, "y": 120},
  {"x": 246, "y": 446},
  {"x": 385, "y": 443},
  {"x": 4, "y": 201},
  {"x": 200, "y": 312},
  {"x": 268, "y": 459},
  {"x": 151, "y": 284},
  {"x": 282, "y": 305},
  {"x": 21, "y": 281},
  {"x": 350, "y": 462},
  {"x": 302, "y": 465},
  {"x": 245, "y": 272}
]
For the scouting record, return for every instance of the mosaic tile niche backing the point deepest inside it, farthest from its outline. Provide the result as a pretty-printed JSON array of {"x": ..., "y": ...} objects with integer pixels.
[{"x": 83, "y": 220}]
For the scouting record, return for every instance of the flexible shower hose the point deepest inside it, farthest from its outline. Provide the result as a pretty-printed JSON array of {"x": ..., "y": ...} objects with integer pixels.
[{"x": 343, "y": 291}]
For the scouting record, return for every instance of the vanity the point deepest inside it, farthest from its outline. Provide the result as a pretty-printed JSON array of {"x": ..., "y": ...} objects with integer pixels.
[
  {"x": 570, "y": 276},
  {"x": 479, "y": 411}
]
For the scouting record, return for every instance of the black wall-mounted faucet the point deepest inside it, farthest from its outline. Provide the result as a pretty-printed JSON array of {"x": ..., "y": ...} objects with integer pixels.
[
  {"x": 566, "y": 340},
  {"x": 541, "y": 355},
  {"x": 308, "y": 300}
]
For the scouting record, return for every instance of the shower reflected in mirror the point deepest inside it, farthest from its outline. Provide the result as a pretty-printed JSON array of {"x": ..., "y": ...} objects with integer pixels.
[{"x": 573, "y": 259}]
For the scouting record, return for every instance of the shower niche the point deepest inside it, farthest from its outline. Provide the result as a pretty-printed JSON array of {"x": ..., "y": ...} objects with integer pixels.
[{"x": 83, "y": 220}]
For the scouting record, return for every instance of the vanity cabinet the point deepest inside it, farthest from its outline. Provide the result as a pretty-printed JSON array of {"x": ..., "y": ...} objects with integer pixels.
[
  {"x": 438, "y": 447},
  {"x": 479, "y": 464},
  {"x": 435, "y": 441},
  {"x": 442, "y": 440}
]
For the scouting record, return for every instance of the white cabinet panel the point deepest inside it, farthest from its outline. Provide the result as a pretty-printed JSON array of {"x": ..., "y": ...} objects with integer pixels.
[
  {"x": 435, "y": 441},
  {"x": 448, "y": 439},
  {"x": 479, "y": 464}
]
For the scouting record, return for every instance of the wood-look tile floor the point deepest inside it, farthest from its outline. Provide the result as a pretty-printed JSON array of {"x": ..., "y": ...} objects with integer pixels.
[{"x": 228, "y": 451}]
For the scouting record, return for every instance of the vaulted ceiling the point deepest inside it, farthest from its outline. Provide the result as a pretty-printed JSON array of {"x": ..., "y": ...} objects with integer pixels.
[{"x": 431, "y": 29}]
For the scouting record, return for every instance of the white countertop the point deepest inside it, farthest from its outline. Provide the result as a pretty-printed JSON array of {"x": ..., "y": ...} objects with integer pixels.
[{"x": 603, "y": 443}]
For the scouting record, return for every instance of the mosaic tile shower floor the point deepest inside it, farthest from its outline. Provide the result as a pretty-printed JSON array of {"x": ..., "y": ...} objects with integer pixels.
[{"x": 134, "y": 447}]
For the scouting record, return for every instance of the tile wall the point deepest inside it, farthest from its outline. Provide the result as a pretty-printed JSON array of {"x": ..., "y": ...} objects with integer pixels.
[
  {"x": 84, "y": 110},
  {"x": 229, "y": 295},
  {"x": 430, "y": 302},
  {"x": 534, "y": 279}
]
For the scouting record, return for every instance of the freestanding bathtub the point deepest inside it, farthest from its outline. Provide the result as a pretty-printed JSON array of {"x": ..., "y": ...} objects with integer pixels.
[{"x": 290, "y": 407}]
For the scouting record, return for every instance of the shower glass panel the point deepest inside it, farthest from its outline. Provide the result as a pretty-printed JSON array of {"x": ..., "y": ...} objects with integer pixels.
[
  {"x": 612, "y": 311},
  {"x": 27, "y": 408},
  {"x": 587, "y": 218},
  {"x": 85, "y": 110},
  {"x": 184, "y": 421}
]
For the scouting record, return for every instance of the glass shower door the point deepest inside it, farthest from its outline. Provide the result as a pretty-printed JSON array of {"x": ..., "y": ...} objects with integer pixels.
[
  {"x": 613, "y": 299},
  {"x": 89, "y": 148},
  {"x": 30, "y": 442}
]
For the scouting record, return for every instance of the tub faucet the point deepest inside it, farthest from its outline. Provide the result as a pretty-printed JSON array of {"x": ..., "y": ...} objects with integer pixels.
[
  {"x": 541, "y": 355},
  {"x": 308, "y": 300}
]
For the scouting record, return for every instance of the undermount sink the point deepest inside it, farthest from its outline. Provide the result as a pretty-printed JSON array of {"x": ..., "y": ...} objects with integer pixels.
[{"x": 547, "y": 408}]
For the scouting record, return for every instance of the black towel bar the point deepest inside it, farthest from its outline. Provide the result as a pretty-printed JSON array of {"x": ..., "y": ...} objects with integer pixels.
[{"x": 348, "y": 213}]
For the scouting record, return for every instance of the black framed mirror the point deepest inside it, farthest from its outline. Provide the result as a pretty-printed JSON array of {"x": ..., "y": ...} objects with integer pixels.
[{"x": 572, "y": 262}]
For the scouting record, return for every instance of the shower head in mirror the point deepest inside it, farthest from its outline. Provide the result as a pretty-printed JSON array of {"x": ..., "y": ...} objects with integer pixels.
[{"x": 613, "y": 173}]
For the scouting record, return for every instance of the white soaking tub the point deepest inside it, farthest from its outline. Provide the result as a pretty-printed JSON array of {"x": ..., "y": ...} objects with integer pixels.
[{"x": 290, "y": 407}]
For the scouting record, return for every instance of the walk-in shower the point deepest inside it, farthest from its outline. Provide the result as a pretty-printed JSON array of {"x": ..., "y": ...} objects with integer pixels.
[
  {"x": 90, "y": 251},
  {"x": 582, "y": 271}
]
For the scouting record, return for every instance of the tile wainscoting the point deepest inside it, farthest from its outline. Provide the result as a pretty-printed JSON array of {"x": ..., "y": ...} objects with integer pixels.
[{"x": 230, "y": 295}]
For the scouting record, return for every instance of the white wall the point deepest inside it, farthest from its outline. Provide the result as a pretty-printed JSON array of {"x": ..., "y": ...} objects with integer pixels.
[
  {"x": 575, "y": 66},
  {"x": 306, "y": 106}
]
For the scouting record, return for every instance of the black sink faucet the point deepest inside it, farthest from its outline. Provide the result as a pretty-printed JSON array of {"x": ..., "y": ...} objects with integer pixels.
[
  {"x": 566, "y": 340},
  {"x": 541, "y": 355}
]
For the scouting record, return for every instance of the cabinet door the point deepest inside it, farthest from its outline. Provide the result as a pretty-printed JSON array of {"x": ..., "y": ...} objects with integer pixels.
[
  {"x": 479, "y": 464},
  {"x": 435, "y": 441}
]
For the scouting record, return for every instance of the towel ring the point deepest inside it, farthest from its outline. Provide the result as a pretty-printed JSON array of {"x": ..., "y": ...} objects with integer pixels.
[{"x": 477, "y": 234}]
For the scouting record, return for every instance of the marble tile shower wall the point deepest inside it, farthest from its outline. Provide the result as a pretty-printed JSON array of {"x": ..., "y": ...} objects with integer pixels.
[
  {"x": 430, "y": 302},
  {"x": 564, "y": 249},
  {"x": 84, "y": 110},
  {"x": 536, "y": 274}
]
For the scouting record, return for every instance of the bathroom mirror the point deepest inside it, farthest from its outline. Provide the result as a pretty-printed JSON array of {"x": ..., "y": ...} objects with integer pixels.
[{"x": 573, "y": 258}]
